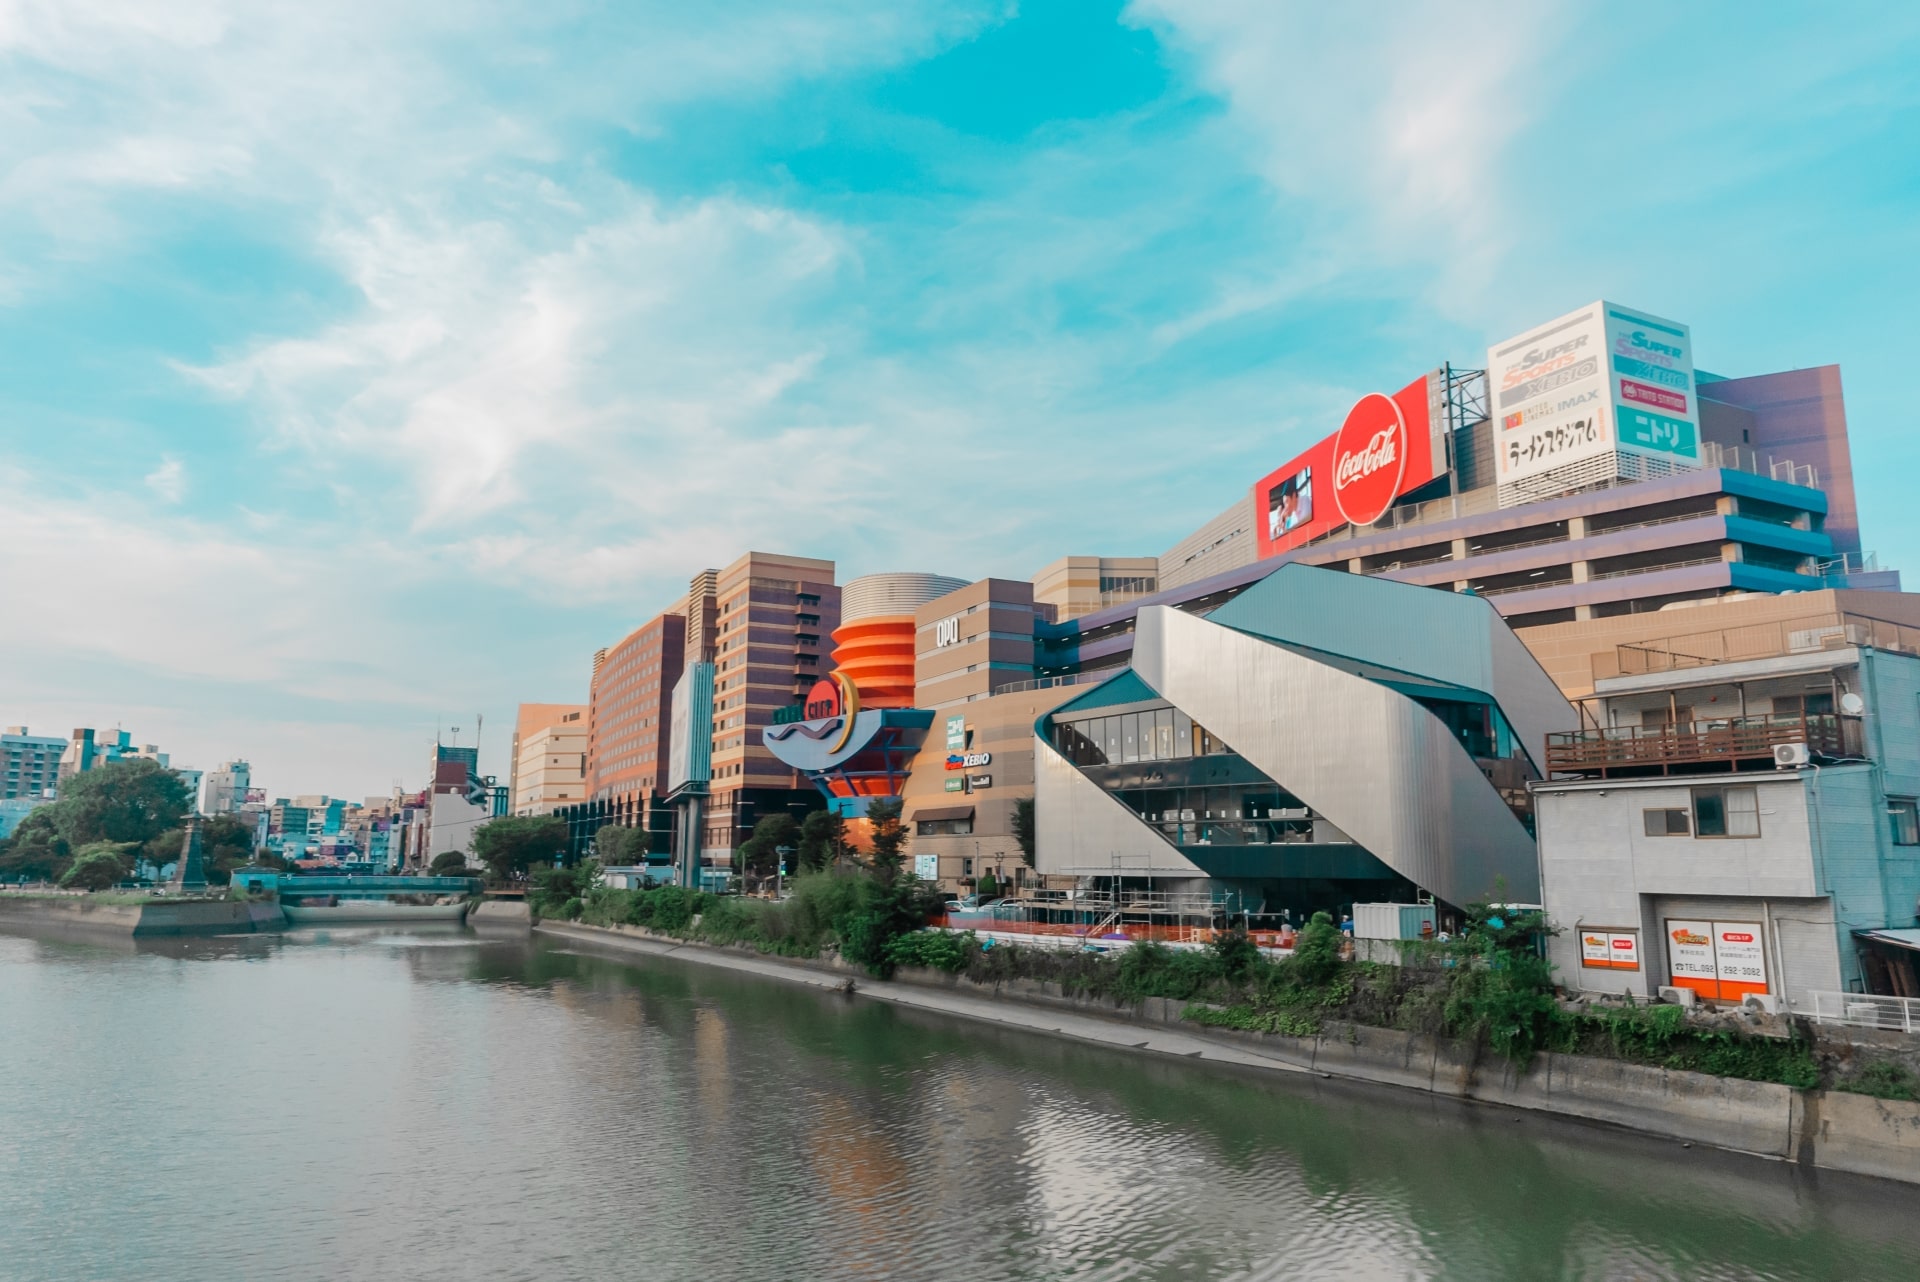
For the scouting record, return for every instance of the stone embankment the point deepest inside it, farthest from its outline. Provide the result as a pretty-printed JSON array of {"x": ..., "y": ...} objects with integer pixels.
[
  {"x": 1829, "y": 1130},
  {"x": 90, "y": 914}
]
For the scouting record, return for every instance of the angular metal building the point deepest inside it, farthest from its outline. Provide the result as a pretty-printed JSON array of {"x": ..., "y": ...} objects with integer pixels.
[{"x": 1321, "y": 738}]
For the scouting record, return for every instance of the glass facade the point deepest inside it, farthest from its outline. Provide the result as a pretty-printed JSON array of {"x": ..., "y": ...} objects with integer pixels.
[{"x": 1181, "y": 779}]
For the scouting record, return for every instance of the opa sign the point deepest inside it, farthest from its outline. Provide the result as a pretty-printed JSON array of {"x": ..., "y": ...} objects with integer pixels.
[{"x": 946, "y": 632}]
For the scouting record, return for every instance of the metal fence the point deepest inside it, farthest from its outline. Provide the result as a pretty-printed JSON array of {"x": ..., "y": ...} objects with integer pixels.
[{"x": 1864, "y": 1010}]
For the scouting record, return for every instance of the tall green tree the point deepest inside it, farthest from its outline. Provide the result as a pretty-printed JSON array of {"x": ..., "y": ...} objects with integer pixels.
[
  {"x": 618, "y": 847},
  {"x": 823, "y": 840},
  {"x": 760, "y": 852},
  {"x": 100, "y": 865},
  {"x": 514, "y": 843},
  {"x": 226, "y": 843},
  {"x": 889, "y": 838},
  {"x": 1023, "y": 830},
  {"x": 134, "y": 799},
  {"x": 36, "y": 851}
]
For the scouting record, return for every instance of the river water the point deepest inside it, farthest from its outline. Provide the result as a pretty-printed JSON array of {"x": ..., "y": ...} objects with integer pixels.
[{"x": 334, "y": 1105}]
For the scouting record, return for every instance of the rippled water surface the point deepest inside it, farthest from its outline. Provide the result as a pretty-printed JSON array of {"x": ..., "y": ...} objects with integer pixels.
[{"x": 382, "y": 1105}]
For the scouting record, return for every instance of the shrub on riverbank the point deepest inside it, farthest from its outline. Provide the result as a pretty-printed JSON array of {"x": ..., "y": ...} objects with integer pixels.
[
  {"x": 1490, "y": 988},
  {"x": 858, "y": 914}
]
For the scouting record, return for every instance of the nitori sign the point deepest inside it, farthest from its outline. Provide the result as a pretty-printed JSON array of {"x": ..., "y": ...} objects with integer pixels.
[{"x": 1370, "y": 458}]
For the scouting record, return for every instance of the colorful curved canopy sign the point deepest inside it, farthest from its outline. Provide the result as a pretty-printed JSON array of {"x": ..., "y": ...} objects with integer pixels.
[{"x": 834, "y": 695}]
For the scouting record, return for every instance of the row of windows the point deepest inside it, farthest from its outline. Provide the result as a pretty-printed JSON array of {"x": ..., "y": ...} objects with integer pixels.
[
  {"x": 1158, "y": 734},
  {"x": 945, "y": 827},
  {"x": 1735, "y": 812}
]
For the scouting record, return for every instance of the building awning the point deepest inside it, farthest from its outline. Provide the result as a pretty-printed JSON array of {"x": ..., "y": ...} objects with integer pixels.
[
  {"x": 943, "y": 812},
  {"x": 1899, "y": 937}
]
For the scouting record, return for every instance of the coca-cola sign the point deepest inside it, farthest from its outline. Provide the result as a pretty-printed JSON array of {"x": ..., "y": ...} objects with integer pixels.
[
  {"x": 1386, "y": 448},
  {"x": 1369, "y": 459}
]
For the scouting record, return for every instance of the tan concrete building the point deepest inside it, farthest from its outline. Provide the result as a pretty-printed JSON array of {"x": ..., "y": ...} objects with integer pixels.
[
  {"x": 550, "y": 765},
  {"x": 973, "y": 665},
  {"x": 1718, "y": 630},
  {"x": 529, "y": 720},
  {"x": 1077, "y": 585},
  {"x": 767, "y": 627}
]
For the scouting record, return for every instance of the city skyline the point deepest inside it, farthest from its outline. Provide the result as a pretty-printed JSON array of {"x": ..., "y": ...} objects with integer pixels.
[{"x": 366, "y": 381}]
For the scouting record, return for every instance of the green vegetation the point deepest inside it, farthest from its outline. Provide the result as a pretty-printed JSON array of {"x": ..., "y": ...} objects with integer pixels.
[
  {"x": 1023, "y": 830},
  {"x": 1882, "y": 1079},
  {"x": 856, "y": 914},
  {"x": 100, "y": 865},
  {"x": 889, "y": 838},
  {"x": 134, "y": 803},
  {"x": 759, "y": 854},
  {"x": 1490, "y": 988},
  {"x": 617, "y": 847},
  {"x": 823, "y": 841},
  {"x": 512, "y": 844}
]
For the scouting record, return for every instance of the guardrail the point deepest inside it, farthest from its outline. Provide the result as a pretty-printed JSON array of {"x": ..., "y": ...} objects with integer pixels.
[{"x": 1864, "y": 1010}]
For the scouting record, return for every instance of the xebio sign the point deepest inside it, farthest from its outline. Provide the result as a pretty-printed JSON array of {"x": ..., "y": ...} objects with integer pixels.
[
  {"x": 1369, "y": 459},
  {"x": 1388, "y": 447}
]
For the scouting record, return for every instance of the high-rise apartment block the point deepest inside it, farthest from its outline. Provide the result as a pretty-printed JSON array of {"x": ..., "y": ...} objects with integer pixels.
[
  {"x": 773, "y": 619},
  {"x": 29, "y": 764}
]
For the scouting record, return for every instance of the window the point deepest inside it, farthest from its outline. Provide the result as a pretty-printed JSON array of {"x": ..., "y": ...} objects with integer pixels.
[
  {"x": 944, "y": 827},
  {"x": 1726, "y": 812},
  {"x": 1666, "y": 823},
  {"x": 1903, "y": 814}
]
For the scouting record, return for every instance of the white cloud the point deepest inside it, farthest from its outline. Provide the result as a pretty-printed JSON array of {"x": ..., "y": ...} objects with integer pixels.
[
  {"x": 169, "y": 480},
  {"x": 1383, "y": 130}
]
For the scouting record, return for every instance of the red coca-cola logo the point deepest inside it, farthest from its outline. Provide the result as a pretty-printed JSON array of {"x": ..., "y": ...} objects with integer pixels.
[{"x": 1369, "y": 458}]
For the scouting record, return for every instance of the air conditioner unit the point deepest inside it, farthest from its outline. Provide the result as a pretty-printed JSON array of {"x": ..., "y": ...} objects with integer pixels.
[
  {"x": 1766, "y": 1002},
  {"x": 1678, "y": 996},
  {"x": 1788, "y": 755}
]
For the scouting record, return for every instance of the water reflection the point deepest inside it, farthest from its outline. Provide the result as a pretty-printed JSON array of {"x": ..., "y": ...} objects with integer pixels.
[{"x": 401, "y": 1104}]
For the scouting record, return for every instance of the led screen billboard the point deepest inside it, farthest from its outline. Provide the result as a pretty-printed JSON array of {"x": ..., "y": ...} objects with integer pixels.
[{"x": 1388, "y": 446}]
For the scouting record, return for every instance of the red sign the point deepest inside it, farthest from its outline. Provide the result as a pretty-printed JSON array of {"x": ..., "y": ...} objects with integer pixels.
[
  {"x": 823, "y": 700},
  {"x": 1369, "y": 459},
  {"x": 1384, "y": 450},
  {"x": 1658, "y": 397}
]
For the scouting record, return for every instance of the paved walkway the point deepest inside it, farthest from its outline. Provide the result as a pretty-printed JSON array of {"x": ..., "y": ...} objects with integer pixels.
[{"x": 1008, "y": 1013}]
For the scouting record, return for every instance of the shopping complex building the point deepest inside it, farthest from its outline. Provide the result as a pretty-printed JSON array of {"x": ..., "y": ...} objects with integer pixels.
[{"x": 1360, "y": 680}]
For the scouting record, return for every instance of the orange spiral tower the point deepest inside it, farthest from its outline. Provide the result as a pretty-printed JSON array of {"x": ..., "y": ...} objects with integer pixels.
[{"x": 874, "y": 642}]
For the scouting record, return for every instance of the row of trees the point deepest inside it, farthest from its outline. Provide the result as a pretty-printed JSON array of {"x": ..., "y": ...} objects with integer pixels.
[
  {"x": 510, "y": 846},
  {"x": 110, "y": 821}
]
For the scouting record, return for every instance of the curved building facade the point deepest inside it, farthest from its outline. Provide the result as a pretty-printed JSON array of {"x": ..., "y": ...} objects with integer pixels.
[
  {"x": 1323, "y": 738},
  {"x": 874, "y": 642}
]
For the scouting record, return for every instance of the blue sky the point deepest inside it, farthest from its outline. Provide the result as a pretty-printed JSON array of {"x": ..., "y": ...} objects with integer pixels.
[{"x": 364, "y": 366}]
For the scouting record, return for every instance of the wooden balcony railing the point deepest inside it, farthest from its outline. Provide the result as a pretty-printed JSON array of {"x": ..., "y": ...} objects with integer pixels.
[{"x": 1733, "y": 743}]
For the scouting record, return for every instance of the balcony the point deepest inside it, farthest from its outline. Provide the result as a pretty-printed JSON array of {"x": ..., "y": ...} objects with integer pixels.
[{"x": 1698, "y": 747}]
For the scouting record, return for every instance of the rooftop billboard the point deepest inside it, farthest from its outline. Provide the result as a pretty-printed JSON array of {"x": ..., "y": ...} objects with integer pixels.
[
  {"x": 1387, "y": 447},
  {"x": 1601, "y": 379}
]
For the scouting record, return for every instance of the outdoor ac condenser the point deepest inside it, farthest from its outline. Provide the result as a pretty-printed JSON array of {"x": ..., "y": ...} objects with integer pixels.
[{"x": 1788, "y": 755}]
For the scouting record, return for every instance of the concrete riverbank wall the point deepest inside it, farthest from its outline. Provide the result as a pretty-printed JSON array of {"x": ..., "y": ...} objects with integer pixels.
[
  {"x": 1829, "y": 1130},
  {"x": 85, "y": 914}
]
